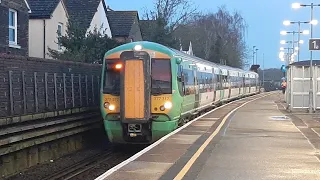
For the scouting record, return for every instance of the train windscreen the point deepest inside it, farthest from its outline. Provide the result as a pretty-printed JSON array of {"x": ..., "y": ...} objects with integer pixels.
[
  {"x": 161, "y": 77},
  {"x": 112, "y": 78}
]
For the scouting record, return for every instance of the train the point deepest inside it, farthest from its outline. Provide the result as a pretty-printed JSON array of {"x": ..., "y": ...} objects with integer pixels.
[{"x": 148, "y": 90}]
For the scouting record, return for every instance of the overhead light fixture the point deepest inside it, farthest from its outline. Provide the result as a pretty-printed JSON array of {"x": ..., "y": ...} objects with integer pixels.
[{"x": 295, "y": 5}]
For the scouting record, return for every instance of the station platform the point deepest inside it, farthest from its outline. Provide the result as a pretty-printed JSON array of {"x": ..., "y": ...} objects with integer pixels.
[{"x": 246, "y": 139}]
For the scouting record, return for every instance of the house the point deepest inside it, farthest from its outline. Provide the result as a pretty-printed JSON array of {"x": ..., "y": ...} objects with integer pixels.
[
  {"x": 89, "y": 14},
  {"x": 47, "y": 20},
  {"x": 124, "y": 25},
  {"x": 14, "y": 27},
  {"x": 186, "y": 49}
]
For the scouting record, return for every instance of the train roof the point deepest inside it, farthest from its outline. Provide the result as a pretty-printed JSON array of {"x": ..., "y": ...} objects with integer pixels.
[
  {"x": 175, "y": 53},
  {"x": 209, "y": 63}
]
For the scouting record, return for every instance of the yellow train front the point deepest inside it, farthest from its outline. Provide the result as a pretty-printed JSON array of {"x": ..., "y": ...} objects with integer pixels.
[{"x": 136, "y": 93}]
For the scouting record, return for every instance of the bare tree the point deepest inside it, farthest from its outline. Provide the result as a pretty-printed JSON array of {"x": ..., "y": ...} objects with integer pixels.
[
  {"x": 219, "y": 35},
  {"x": 173, "y": 12}
]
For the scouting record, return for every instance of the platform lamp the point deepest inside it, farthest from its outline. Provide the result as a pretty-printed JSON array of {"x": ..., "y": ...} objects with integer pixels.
[
  {"x": 257, "y": 56},
  {"x": 293, "y": 53},
  {"x": 293, "y": 35},
  {"x": 253, "y": 52}
]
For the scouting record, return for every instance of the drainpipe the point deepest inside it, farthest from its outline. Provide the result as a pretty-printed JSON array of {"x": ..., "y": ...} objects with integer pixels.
[{"x": 44, "y": 39}]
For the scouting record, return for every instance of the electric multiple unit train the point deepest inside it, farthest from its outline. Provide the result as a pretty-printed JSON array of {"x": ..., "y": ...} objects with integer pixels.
[{"x": 148, "y": 90}]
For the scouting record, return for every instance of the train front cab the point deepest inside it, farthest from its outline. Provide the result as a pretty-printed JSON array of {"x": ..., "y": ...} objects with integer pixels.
[{"x": 143, "y": 114}]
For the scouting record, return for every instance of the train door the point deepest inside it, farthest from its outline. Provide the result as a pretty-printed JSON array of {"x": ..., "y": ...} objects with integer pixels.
[
  {"x": 243, "y": 84},
  {"x": 230, "y": 82},
  {"x": 239, "y": 82},
  {"x": 250, "y": 83},
  {"x": 223, "y": 86},
  {"x": 188, "y": 88},
  {"x": 197, "y": 87},
  {"x": 136, "y": 82},
  {"x": 214, "y": 84}
]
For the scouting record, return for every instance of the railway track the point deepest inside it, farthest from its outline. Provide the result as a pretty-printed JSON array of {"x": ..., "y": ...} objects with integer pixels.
[
  {"x": 82, "y": 166},
  {"x": 94, "y": 165}
]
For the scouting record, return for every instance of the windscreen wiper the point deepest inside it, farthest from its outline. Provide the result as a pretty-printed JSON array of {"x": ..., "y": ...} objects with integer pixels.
[{"x": 159, "y": 92}]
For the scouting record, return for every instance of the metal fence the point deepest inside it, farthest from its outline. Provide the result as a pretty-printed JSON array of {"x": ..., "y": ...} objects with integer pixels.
[
  {"x": 31, "y": 86},
  {"x": 31, "y": 92}
]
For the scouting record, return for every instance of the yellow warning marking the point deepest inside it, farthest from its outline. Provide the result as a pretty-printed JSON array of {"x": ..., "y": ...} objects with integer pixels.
[{"x": 186, "y": 168}]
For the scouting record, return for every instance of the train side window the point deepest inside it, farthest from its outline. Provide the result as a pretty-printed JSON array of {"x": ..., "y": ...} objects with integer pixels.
[
  {"x": 188, "y": 81},
  {"x": 180, "y": 73},
  {"x": 181, "y": 79}
]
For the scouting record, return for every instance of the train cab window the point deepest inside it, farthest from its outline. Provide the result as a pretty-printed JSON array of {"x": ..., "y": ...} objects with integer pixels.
[
  {"x": 112, "y": 78},
  {"x": 161, "y": 79}
]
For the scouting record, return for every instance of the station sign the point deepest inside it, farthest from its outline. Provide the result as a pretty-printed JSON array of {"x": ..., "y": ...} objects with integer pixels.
[
  {"x": 283, "y": 68},
  {"x": 314, "y": 44}
]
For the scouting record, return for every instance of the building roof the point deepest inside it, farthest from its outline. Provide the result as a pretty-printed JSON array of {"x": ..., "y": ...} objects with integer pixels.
[
  {"x": 42, "y": 9},
  {"x": 121, "y": 22},
  {"x": 82, "y": 11}
]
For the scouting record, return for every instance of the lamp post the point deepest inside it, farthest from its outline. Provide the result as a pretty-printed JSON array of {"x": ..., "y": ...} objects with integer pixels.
[
  {"x": 293, "y": 53},
  {"x": 257, "y": 56},
  {"x": 312, "y": 22},
  {"x": 253, "y": 55},
  {"x": 263, "y": 70},
  {"x": 287, "y": 23}
]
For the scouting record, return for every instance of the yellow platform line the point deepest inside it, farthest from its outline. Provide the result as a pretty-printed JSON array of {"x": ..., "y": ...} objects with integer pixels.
[{"x": 186, "y": 168}]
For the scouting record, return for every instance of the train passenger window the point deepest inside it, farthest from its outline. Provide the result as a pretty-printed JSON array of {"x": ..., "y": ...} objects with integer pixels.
[
  {"x": 161, "y": 82},
  {"x": 180, "y": 80},
  {"x": 112, "y": 79},
  {"x": 189, "y": 81}
]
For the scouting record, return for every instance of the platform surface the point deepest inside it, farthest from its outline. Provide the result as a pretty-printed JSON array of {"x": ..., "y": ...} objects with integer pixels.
[
  {"x": 257, "y": 146},
  {"x": 255, "y": 142}
]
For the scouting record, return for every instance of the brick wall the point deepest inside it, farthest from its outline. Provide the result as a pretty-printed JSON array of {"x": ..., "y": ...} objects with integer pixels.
[
  {"x": 23, "y": 27},
  {"x": 32, "y": 85}
]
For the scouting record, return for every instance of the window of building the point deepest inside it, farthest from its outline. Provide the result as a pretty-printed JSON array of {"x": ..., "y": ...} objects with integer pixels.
[
  {"x": 13, "y": 34},
  {"x": 59, "y": 32}
]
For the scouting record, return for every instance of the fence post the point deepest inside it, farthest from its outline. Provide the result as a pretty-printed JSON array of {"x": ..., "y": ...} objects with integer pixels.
[
  {"x": 92, "y": 89},
  {"x": 80, "y": 90},
  {"x": 72, "y": 89},
  {"x": 87, "y": 90},
  {"x": 98, "y": 90},
  {"x": 24, "y": 92},
  {"x": 55, "y": 90},
  {"x": 11, "y": 92},
  {"x": 64, "y": 91},
  {"x": 35, "y": 92},
  {"x": 46, "y": 89}
]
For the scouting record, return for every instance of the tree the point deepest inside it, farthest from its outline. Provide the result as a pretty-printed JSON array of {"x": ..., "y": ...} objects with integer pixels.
[
  {"x": 78, "y": 45},
  {"x": 160, "y": 23},
  {"x": 217, "y": 36}
]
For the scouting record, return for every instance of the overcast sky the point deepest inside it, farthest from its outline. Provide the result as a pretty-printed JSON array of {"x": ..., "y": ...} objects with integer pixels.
[{"x": 264, "y": 18}]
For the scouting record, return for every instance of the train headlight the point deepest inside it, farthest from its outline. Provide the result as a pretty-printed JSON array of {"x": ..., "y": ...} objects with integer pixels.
[
  {"x": 162, "y": 108},
  {"x": 112, "y": 107},
  {"x": 168, "y": 105},
  {"x": 106, "y": 105},
  {"x": 137, "y": 47}
]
